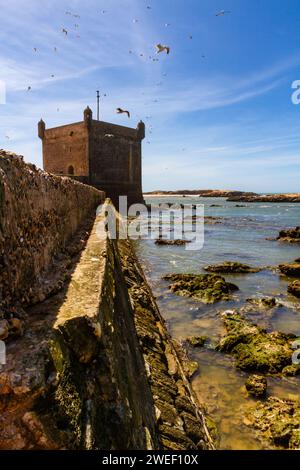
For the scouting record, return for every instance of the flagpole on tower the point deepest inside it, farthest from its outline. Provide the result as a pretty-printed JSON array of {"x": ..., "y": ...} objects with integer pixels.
[{"x": 98, "y": 104}]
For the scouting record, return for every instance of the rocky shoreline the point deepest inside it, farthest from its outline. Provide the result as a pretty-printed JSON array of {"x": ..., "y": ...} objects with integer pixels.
[
  {"x": 231, "y": 196},
  {"x": 201, "y": 193},
  {"x": 279, "y": 198}
]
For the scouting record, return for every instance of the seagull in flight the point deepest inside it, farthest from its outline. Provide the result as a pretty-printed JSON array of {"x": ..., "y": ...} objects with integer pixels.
[
  {"x": 161, "y": 48},
  {"x": 123, "y": 111},
  {"x": 65, "y": 31},
  {"x": 223, "y": 12},
  {"x": 29, "y": 88}
]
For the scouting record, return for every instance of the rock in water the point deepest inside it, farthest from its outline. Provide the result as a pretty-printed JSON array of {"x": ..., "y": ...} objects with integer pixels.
[
  {"x": 277, "y": 422},
  {"x": 161, "y": 241},
  {"x": 256, "y": 385},
  {"x": 207, "y": 288},
  {"x": 294, "y": 288},
  {"x": 253, "y": 348},
  {"x": 196, "y": 341},
  {"x": 290, "y": 269},
  {"x": 264, "y": 302},
  {"x": 229, "y": 267},
  {"x": 291, "y": 235}
]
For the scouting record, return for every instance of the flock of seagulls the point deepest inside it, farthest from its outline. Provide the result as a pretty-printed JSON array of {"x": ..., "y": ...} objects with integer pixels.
[{"x": 160, "y": 48}]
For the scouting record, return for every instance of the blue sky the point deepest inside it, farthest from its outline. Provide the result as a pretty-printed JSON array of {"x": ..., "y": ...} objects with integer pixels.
[{"x": 218, "y": 108}]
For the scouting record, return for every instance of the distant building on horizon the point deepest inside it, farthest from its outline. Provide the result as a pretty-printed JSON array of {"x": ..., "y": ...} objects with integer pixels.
[{"x": 104, "y": 155}]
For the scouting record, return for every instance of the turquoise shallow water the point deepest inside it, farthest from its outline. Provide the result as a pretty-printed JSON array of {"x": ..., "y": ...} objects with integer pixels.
[{"x": 241, "y": 236}]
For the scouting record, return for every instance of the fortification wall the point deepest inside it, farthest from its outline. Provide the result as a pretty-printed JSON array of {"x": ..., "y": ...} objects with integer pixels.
[
  {"x": 100, "y": 369},
  {"x": 66, "y": 146},
  {"x": 39, "y": 215},
  {"x": 115, "y": 161}
]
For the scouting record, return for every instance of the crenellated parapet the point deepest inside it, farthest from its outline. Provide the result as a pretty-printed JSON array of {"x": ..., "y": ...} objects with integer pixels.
[
  {"x": 41, "y": 129},
  {"x": 88, "y": 116},
  {"x": 141, "y": 131},
  {"x": 107, "y": 156}
]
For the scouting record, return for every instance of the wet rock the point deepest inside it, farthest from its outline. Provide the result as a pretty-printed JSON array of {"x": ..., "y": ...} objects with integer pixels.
[
  {"x": 206, "y": 288},
  {"x": 266, "y": 198},
  {"x": 252, "y": 347},
  {"x": 196, "y": 341},
  {"x": 277, "y": 422},
  {"x": 161, "y": 241},
  {"x": 291, "y": 235},
  {"x": 212, "y": 220},
  {"x": 291, "y": 371},
  {"x": 264, "y": 302},
  {"x": 290, "y": 269},
  {"x": 229, "y": 267},
  {"x": 256, "y": 385},
  {"x": 294, "y": 288}
]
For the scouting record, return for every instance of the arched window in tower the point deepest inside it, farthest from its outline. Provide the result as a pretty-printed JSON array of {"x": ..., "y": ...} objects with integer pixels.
[{"x": 71, "y": 170}]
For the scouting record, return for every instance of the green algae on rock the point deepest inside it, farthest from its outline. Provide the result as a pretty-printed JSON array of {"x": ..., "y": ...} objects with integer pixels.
[
  {"x": 264, "y": 302},
  {"x": 230, "y": 267},
  {"x": 256, "y": 386},
  {"x": 253, "y": 348},
  {"x": 277, "y": 422},
  {"x": 291, "y": 371},
  {"x": 207, "y": 288},
  {"x": 196, "y": 341}
]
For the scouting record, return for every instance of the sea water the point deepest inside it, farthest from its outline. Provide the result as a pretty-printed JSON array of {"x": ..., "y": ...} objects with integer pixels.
[{"x": 242, "y": 234}]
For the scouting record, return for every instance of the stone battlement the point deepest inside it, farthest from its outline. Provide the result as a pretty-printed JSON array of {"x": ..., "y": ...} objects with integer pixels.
[{"x": 107, "y": 155}]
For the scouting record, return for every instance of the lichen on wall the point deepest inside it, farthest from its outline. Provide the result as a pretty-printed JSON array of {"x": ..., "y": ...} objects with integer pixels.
[{"x": 39, "y": 214}]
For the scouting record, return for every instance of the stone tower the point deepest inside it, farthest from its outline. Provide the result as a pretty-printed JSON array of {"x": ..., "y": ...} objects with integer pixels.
[{"x": 104, "y": 155}]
